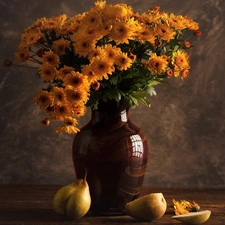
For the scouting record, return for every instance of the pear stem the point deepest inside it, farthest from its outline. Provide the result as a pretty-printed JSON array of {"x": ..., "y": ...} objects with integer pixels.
[{"x": 85, "y": 174}]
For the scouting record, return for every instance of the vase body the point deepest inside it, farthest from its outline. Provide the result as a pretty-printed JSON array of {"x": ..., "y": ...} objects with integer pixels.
[{"x": 115, "y": 152}]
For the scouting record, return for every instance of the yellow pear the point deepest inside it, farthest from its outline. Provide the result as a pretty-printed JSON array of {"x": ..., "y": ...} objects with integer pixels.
[
  {"x": 61, "y": 197},
  {"x": 79, "y": 202},
  {"x": 73, "y": 200},
  {"x": 194, "y": 217},
  {"x": 147, "y": 208}
]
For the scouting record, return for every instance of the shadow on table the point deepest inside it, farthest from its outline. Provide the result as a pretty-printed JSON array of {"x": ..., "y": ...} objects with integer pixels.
[{"x": 48, "y": 216}]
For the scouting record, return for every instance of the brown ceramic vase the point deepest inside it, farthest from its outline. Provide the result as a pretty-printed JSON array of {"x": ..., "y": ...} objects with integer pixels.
[{"x": 115, "y": 152}]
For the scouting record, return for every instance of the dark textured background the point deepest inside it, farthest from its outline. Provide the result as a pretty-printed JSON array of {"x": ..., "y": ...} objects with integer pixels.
[{"x": 185, "y": 124}]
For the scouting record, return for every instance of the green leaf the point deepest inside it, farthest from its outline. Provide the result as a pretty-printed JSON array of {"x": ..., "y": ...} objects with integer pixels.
[
  {"x": 150, "y": 90},
  {"x": 133, "y": 100},
  {"x": 113, "y": 94},
  {"x": 139, "y": 97},
  {"x": 114, "y": 79}
]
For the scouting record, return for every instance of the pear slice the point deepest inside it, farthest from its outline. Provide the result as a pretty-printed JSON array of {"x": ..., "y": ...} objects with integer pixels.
[
  {"x": 194, "y": 217},
  {"x": 147, "y": 208}
]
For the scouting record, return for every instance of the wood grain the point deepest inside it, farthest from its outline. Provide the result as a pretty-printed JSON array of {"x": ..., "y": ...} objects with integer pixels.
[{"x": 29, "y": 204}]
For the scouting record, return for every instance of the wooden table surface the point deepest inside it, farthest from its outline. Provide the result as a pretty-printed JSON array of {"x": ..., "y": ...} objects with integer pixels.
[{"x": 27, "y": 204}]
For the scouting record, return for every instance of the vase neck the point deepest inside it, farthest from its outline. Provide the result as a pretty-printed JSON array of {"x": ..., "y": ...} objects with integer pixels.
[{"x": 110, "y": 113}]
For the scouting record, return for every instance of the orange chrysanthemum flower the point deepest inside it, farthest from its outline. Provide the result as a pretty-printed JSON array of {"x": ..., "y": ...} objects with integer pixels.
[
  {"x": 123, "y": 62},
  {"x": 165, "y": 32},
  {"x": 76, "y": 80},
  {"x": 123, "y": 31},
  {"x": 51, "y": 58},
  {"x": 47, "y": 72},
  {"x": 191, "y": 25},
  {"x": 177, "y": 22},
  {"x": 60, "y": 46},
  {"x": 151, "y": 16},
  {"x": 101, "y": 67},
  {"x": 78, "y": 110},
  {"x": 58, "y": 95},
  {"x": 100, "y": 4},
  {"x": 88, "y": 72},
  {"x": 22, "y": 55},
  {"x": 184, "y": 73},
  {"x": 187, "y": 44},
  {"x": 44, "y": 99},
  {"x": 111, "y": 52},
  {"x": 180, "y": 59},
  {"x": 156, "y": 64},
  {"x": 69, "y": 126},
  {"x": 62, "y": 110},
  {"x": 93, "y": 18},
  {"x": 76, "y": 97},
  {"x": 118, "y": 11},
  {"x": 52, "y": 23},
  {"x": 95, "y": 85},
  {"x": 169, "y": 72},
  {"x": 31, "y": 38},
  {"x": 147, "y": 34},
  {"x": 98, "y": 51},
  {"x": 62, "y": 73},
  {"x": 83, "y": 46}
]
